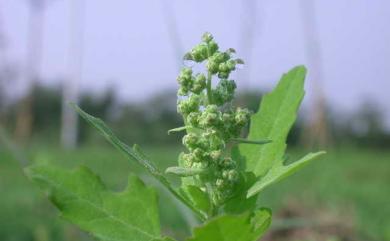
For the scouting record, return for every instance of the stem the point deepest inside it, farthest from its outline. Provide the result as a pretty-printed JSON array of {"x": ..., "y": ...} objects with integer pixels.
[{"x": 209, "y": 94}]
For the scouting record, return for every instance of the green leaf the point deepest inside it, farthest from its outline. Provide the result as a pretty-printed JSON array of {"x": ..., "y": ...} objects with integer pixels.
[
  {"x": 83, "y": 199},
  {"x": 134, "y": 153},
  {"x": 273, "y": 121},
  {"x": 246, "y": 141},
  {"x": 197, "y": 197},
  {"x": 280, "y": 171},
  {"x": 244, "y": 227},
  {"x": 185, "y": 171},
  {"x": 277, "y": 114},
  {"x": 240, "y": 203}
]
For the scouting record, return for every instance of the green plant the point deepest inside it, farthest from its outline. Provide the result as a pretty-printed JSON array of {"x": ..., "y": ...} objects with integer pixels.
[{"x": 221, "y": 173}]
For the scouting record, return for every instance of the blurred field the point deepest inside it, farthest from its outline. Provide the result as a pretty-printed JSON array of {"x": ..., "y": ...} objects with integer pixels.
[{"x": 343, "y": 194}]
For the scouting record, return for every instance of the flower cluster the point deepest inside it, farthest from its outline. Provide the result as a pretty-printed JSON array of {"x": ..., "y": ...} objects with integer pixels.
[{"x": 211, "y": 122}]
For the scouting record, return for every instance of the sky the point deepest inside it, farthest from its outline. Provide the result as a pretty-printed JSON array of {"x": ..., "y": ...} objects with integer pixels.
[{"x": 128, "y": 45}]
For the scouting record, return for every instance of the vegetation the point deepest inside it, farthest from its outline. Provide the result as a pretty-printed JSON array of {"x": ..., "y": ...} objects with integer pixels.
[{"x": 222, "y": 174}]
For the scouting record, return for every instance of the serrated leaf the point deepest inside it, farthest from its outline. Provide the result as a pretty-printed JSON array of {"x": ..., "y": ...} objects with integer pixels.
[
  {"x": 244, "y": 227},
  {"x": 276, "y": 115},
  {"x": 273, "y": 121},
  {"x": 280, "y": 171},
  {"x": 134, "y": 153},
  {"x": 83, "y": 199}
]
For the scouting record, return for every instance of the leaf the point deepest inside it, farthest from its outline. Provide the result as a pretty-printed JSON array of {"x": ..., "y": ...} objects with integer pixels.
[
  {"x": 83, "y": 199},
  {"x": 240, "y": 203},
  {"x": 277, "y": 114},
  {"x": 246, "y": 141},
  {"x": 134, "y": 153},
  {"x": 125, "y": 149},
  {"x": 244, "y": 227},
  {"x": 280, "y": 171},
  {"x": 185, "y": 171},
  {"x": 273, "y": 121},
  {"x": 197, "y": 197}
]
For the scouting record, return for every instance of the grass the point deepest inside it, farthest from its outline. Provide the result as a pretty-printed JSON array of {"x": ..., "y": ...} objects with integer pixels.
[{"x": 350, "y": 184}]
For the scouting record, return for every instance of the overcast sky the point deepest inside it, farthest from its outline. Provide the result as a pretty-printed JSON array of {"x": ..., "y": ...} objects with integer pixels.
[{"x": 127, "y": 43}]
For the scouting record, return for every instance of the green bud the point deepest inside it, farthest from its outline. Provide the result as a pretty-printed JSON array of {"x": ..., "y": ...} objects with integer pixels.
[
  {"x": 207, "y": 37},
  {"x": 188, "y": 56},
  {"x": 186, "y": 159},
  {"x": 231, "y": 64},
  {"x": 216, "y": 142},
  {"x": 227, "y": 162},
  {"x": 224, "y": 91},
  {"x": 216, "y": 155},
  {"x": 198, "y": 153},
  {"x": 232, "y": 175},
  {"x": 211, "y": 117},
  {"x": 193, "y": 118},
  {"x": 240, "y": 61},
  {"x": 189, "y": 105},
  {"x": 220, "y": 183},
  {"x": 231, "y": 51},
  {"x": 211, "y": 109},
  {"x": 212, "y": 66},
  {"x": 199, "y": 84},
  {"x": 199, "y": 53},
  {"x": 226, "y": 118},
  {"x": 221, "y": 57},
  {"x": 225, "y": 174},
  {"x": 186, "y": 71},
  {"x": 182, "y": 91},
  {"x": 223, "y": 67},
  {"x": 190, "y": 140},
  {"x": 213, "y": 47},
  {"x": 242, "y": 116},
  {"x": 223, "y": 75}
]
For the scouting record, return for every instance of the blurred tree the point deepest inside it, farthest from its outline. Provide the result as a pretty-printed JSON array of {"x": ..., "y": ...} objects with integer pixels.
[{"x": 367, "y": 126}]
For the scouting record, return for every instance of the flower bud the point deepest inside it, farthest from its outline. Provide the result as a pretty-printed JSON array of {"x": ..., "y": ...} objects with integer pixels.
[
  {"x": 189, "y": 105},
  {"x": 227, "y": 162},
  {"x": 225, "y": 174},
  {"x": 207, "y": 37},
  {"x": 221, "y": 57},
  {"x": 232, "y": 175},
  {"x": 216, "y": 155},
  {"x": 231, "y": 64},
  {"x": 223, "y": 75},
  {"x": 213, "y": 47},
  {"x": 193, "y": 118},
  {"x": 190, "y": 140},
  {"x": 223, "y": 67},
  {"x": 199, "y": 53},
  {"x": 186, "y": 159},
  {"x": 182, "y": 91},
  {"x": 198, "y": 153},
  {"x": 242, "y": 116},
  {"x": 212, "y": 66},
  {"x": 199, "y": 84},
  {"x": 220, "y": 183}
]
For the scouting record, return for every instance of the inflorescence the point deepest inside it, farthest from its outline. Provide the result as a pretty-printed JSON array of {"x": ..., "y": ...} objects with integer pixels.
[{"x": 210, "y": 119}]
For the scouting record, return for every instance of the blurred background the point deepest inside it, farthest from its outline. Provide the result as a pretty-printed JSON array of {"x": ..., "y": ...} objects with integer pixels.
[{"x": 119, "y": 60}]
